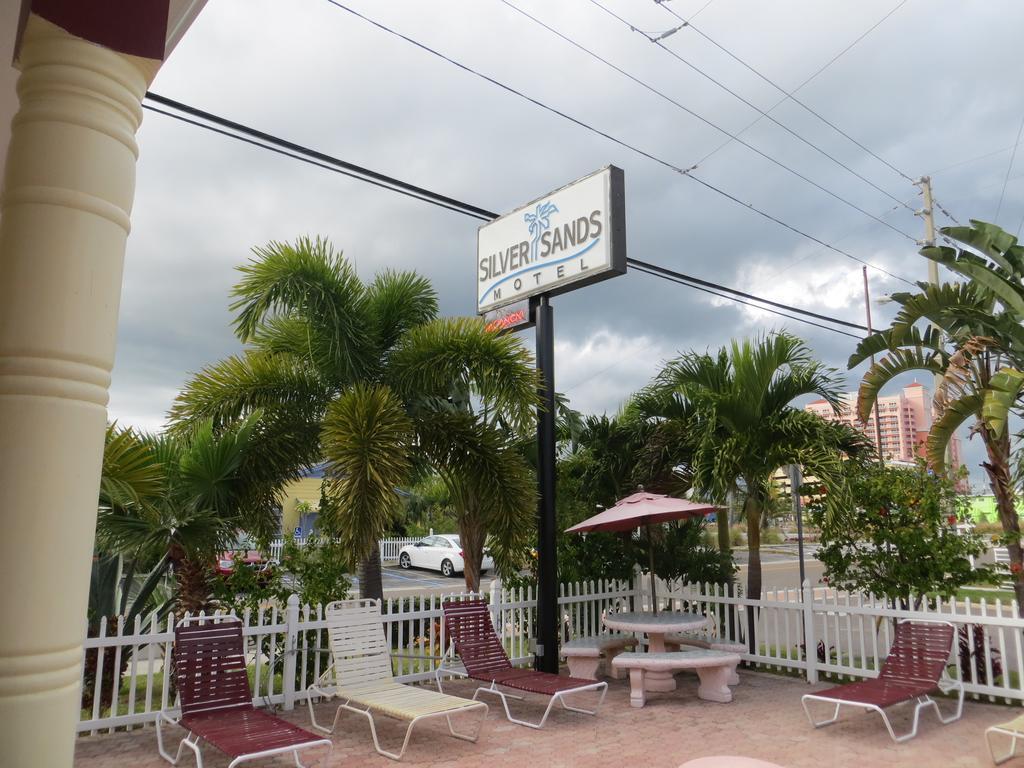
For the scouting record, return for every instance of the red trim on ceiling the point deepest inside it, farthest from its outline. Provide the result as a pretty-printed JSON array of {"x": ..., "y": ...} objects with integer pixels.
[{"x": 135, "y": 27}]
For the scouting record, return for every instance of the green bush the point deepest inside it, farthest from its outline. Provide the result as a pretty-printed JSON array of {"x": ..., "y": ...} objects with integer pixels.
[
  {"x": 900, "y": 540},
  {"x": 709, "y": 537},
  {"x": 772, "y": 536},
  {"x": 679, "y": 553},
  {"x": 737, "y": 535},
  {"x": 319, "y": 574}
]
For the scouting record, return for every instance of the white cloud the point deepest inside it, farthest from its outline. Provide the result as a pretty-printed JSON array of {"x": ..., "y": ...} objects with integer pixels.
[
  {"x": 318, "y": 76},
  {"x": 134, "y": 404},
  {"x": 599, "y": 373},
  {"x": 805, "y": 281}
]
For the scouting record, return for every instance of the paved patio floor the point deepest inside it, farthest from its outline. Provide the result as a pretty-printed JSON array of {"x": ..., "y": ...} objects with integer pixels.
[{"x": 764, "y": 720}]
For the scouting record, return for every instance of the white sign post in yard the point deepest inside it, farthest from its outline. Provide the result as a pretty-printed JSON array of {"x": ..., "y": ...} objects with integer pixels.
[
  {"x": 572, "y": 237},
  {"x": 565, "y": 240}
]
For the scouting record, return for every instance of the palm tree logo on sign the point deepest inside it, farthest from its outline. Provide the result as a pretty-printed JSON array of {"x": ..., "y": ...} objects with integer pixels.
[{"x": 538, "y": 222}]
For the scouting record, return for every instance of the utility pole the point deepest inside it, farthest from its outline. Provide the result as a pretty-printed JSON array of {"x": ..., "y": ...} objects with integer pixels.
[
  {"x": 928, "y": 214},
  {"x": 867, "y": 310}
]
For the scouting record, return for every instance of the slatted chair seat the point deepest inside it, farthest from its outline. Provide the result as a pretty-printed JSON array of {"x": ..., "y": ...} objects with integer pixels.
[
  {"x": 403, "y": 702},
  {"x": 242, "y": 732},
  {"x": 915, "y": 667},
  {"x": 468, "y": 624},
  {"x": 209, "y": 669},
  {"x": 361, "y": 677},
  {"x": 881, "y": 693},
  {"x": 544, "y": 683}
]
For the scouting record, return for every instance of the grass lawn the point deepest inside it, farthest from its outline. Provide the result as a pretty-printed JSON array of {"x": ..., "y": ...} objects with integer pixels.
[
  {"x": 158, "y": 682},
  {"x": 977, "y": 592},
  {"x": 989, "y": 594}
]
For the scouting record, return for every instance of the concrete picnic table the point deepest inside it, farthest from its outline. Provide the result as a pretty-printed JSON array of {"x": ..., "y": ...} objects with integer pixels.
[{"x": 656, "y": 626}]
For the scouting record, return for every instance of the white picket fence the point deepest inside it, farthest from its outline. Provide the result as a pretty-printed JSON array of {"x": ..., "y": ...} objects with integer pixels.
[
  {"x": 853, "y": 632},
  {"x": 285, "y": 648},
  {"x": 389, "y": 548}
]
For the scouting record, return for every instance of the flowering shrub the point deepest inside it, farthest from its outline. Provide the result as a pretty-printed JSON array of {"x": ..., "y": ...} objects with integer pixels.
[
  {"x": 900, "y": 541},
  {"x": 317, "y": 571},
  {"x": 973, "y": 653}
]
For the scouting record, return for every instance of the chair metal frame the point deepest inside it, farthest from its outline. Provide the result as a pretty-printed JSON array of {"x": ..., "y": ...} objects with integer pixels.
[
  {"x": 1013, "y": 733},
  {"x": 376, "y": 653},
  {"x": 192, "y": 738},
  {"x": 504, "y": 696},
  {"x": 945, "y": 684}
]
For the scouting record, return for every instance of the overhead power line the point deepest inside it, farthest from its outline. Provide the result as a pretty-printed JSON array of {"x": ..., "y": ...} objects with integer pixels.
[
  {"x": 741, "y": 301},
  {"x": 658, "y": 41},
  {"x": 944, "y": 212},
  {"x": 812, "y": 254},
  {"x": 698, "y": 12},
  {"x": 252, "y": 136},
  {"x": 622, "y": 143},
  {"x": 812, "y": 77},
  {"x": 975, "y": 159},
  {"x": 696, "y": 281},
  {"x": 709, "y": 122},
  {"x": 790, "y": 95},
  {"x": 1009, "y": 167},
  {"x": 311, "y": 156}
]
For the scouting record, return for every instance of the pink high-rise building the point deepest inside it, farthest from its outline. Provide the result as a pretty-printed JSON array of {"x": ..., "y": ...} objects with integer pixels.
[{"x": 904, "y": 421}]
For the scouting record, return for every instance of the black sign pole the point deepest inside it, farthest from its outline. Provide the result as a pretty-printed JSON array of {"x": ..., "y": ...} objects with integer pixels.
[{"x": 546, "y": 659}]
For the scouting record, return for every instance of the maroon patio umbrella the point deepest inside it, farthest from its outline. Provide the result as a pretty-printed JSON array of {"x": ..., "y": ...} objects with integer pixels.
[{"x": 643, "y": 509}]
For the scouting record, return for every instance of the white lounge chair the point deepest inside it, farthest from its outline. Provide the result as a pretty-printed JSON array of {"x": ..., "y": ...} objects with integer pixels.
[
  {"x": 361, "y": 676},
  {"x": 1013, "y": 729}
]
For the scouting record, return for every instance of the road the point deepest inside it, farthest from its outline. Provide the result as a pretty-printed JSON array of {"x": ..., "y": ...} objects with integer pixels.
[
  {"x": 780, "y": 567},
  {"x": 402, "y": 583},
  {"x": 779, "y": 570}
]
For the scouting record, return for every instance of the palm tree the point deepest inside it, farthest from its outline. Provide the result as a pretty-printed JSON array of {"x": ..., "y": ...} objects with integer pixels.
[
  {"x": 973, "y": 340},
  {"x": 730, "y": 413},
  {"x": 131, "y": 481},
  {"x": 367, "y": 377},
  {"x": 999, "y": 271},
  {"x": 606, "y": 456},
  {"x": 166, "y": 505},
  {"x": 131, "y": 478},
  {"x": 195, "y": 514}
]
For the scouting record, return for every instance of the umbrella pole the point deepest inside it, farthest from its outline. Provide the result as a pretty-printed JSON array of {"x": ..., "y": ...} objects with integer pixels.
[{"x": 650, "y": 561}]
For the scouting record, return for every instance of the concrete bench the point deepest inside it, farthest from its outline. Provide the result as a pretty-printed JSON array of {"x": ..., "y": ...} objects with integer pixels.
[
  {"x": 676, "y": 640},
  {"x": 584, "y": 653},
  {"x": 713, "y": 667}
]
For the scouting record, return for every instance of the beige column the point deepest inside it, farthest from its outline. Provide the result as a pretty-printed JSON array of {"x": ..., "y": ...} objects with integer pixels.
[{"x": 64, "y": 218}]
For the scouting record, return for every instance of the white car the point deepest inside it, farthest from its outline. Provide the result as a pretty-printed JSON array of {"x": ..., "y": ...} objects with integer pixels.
[{"x": 439, "y": 553}]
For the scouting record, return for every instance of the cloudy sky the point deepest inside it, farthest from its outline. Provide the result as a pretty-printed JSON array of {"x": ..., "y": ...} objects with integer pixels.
[{"x": 934, "y": 89}]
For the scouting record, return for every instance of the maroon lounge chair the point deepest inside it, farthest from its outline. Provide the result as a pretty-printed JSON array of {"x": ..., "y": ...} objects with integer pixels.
[
  {"x": 468, "y": 625},
  {"x": 216, "y": 701},
  {"x": 915, "y": 667}
]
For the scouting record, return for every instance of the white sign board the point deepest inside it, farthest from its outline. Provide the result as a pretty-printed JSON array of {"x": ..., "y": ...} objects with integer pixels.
[{"x": 570, "y": 238}]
